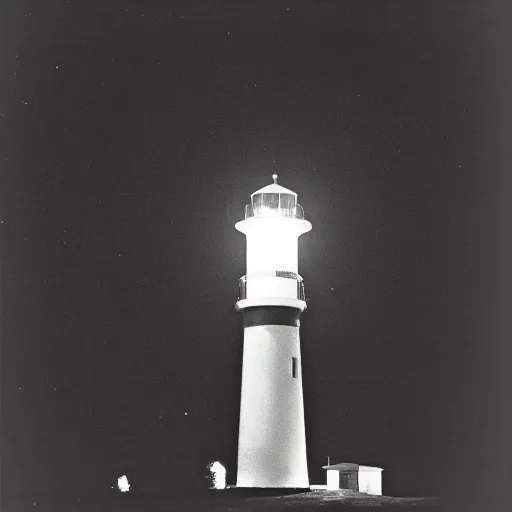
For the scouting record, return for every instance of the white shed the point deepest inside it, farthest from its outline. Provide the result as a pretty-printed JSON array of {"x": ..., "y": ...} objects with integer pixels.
[{"x": 346, "y": 475}]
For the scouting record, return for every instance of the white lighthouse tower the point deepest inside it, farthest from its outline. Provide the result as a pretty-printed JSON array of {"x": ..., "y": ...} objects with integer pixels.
[{"x": 272, "y": 437}]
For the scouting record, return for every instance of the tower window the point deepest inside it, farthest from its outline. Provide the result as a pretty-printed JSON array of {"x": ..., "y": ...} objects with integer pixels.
[{"x": 295, "y": 369}]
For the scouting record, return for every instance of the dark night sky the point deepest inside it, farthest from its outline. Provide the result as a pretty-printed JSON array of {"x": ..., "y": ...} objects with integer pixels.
[{"x": 133, "y": 134}]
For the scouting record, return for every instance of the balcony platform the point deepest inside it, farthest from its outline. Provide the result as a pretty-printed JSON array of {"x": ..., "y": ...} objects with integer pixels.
[{"x": 270, "y": 301}]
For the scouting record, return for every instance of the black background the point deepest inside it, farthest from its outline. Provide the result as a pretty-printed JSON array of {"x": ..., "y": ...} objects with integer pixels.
[{"x": 133, "y": 134}]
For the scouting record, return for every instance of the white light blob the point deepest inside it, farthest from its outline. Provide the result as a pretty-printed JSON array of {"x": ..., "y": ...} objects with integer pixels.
[
  {"x": 122, "y": 484},
  {"x": 217, "y": 475}
]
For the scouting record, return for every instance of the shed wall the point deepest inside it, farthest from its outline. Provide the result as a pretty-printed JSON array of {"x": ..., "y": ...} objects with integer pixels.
[
  {"x": 333, "y": 479},
  {"x": 370, "y": 482}
]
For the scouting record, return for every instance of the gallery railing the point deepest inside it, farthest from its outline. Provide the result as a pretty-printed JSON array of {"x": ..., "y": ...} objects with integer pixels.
[{"x": 242, "y": 288}]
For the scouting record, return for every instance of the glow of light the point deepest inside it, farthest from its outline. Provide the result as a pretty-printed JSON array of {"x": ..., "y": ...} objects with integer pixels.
[
  {"x": 272, "y": 247},
  {"x": 122, "y": 484},
  {"x": 265, "y": 211},
  {"x": 218, "y": 475}
]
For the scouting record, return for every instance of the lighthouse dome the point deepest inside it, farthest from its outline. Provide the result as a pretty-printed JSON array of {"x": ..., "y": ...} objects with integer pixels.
[{"x": 274, "y": 188}]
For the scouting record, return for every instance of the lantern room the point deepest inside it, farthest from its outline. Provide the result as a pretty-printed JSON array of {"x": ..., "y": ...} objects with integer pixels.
[{"x": 274, "y": 201}]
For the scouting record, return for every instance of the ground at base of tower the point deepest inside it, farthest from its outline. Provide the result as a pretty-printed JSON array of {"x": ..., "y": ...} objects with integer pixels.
[
  {"x": 213, "y": 500},
  {"x": 245, "y": 500},
  {"x": 306, "y": 499}
]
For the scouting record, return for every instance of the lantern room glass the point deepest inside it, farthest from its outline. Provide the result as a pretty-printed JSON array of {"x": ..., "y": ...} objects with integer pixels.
[{"x": 274, "y": 205}]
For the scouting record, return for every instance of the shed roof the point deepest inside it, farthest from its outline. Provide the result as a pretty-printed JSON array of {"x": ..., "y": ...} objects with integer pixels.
[
  {"x": 347, "y": 467},
  {"x": 343, "y": 466}
]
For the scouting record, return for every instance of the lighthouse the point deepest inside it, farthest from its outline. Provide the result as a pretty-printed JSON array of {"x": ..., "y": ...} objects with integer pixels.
[{"x": 272, "y": 437}]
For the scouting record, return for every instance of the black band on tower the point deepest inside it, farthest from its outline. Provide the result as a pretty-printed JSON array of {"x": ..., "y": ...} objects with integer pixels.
[{"x": 271, "y": 315}]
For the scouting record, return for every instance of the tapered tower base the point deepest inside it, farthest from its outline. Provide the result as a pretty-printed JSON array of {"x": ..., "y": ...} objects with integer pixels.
[{"x": 272, "y": 439}]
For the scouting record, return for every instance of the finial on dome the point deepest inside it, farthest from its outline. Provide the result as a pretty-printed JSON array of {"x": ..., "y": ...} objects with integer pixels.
[{"x": 274, "y": 177}]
